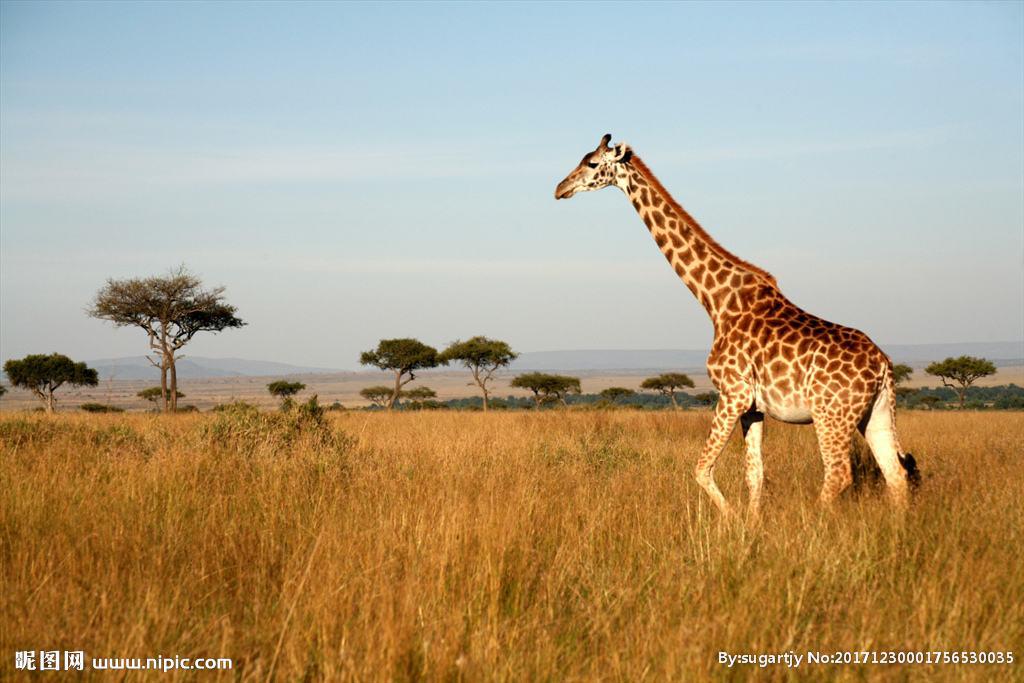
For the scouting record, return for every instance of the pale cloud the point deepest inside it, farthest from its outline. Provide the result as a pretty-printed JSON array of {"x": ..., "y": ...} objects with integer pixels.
[
  {"x": 141, "y": 263},
  {"x": 89, "y": 172},
  {"x": 73, "y": 165}
]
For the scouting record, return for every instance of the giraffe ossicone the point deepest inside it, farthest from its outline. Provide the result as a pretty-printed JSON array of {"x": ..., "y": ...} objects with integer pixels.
[{"x": 769, "y": 357}]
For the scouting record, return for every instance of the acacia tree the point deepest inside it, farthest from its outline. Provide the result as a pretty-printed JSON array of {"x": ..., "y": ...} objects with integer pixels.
[
  {"x": 420, "y": 397},
  {"x": 707, "y": 398},
  {"x": 153, "y": 393},
  {"x": 44, "y": 374},
  {"x": 613, "y": 394},
  {"x": 901, "y": 373},
  {"x": 483, "y": 357},
  {"x": 377, "y": 395},
  {"x": 534, "y": 381},
  {"x": 419, "y": 394},
  {"x": 959, "y": 373},
  {"x": 404, "y": 357},
  {"x": 668, "y": 384},
  {"x": 547, "y": 388},
  {"x": 285, "y": 390},
  {"x": 171, "y": 309},
  {"x": 560, "y": 386}
]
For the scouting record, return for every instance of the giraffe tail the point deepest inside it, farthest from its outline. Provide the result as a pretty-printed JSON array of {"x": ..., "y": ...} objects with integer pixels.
[{"x": 906, "y": 460}]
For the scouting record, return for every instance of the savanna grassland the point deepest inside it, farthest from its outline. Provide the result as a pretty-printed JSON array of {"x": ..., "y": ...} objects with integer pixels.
[{"x": 561, "y": 545}]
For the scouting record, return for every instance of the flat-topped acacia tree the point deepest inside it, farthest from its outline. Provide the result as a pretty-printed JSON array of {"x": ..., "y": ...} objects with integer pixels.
[
  {"x": 419, "y": 394},
  {"x": 900, "y": 374},
  {"x": 153, "y": 394},
  {"x": 668, "y": 384},
  {"x": 613, "y": 394},
  {"x": 547, "y": 388},
  {"x": 707, "y": 398},
  {"x": 959, "y": 373},
  {"x": 420, "y": 397},
  {"x": 284, "y": 390},
  {"x": 378, "y": 395},
  {"x": 171, "y": 309},
  {"x": 483, "y": 357},
  {"x": 43, "y": 374},
  {"x": 404, "y": 357}
]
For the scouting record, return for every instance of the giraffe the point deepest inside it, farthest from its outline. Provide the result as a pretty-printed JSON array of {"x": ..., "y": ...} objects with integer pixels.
[{"x": 769, "y": 357}]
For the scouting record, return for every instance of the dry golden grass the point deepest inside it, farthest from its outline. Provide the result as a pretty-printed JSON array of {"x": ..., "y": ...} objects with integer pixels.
[{"x": 518, "y": 546}]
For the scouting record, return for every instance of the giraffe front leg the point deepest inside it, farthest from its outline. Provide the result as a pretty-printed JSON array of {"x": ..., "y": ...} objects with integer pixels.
[
  {"x": 752, "y": 423},
  {"x": 728, "y": 410}
]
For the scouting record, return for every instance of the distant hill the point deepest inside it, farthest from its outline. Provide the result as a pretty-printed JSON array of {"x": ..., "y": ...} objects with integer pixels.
[
  {"x": 137, "y": 367},
  {"x": 610, "y": 359},
  {"x": 1001, "y": 353}
]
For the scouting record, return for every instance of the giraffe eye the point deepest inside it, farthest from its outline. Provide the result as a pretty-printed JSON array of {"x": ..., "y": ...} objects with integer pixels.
[{"x": 591, "y": 164}]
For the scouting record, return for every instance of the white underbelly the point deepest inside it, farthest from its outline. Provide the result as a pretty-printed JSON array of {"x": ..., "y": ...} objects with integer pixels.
[
  {"x": 791, "y": 409},
  {"x": 794, "y": 414}
]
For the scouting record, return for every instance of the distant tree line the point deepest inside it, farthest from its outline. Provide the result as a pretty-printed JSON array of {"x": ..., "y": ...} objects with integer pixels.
[{"x": 174, "y": 308}]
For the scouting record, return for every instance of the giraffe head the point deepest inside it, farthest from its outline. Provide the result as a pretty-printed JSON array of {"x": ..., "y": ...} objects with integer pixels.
[{"x": 600, "y": 168}]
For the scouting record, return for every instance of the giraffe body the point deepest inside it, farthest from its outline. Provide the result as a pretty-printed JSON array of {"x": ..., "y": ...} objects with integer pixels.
[{"x": 769, "y": 357}]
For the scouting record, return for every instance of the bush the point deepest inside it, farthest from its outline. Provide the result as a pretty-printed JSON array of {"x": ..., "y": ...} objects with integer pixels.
[
  {"x": 423, "y": 405},
  {"x": 100, "y": 408},
  {"x": 21, "y": 432},
  {"x": 1010, "y": 403},
  {"x": 233, "y": 406},
  {"x": 244, "y": 427}
]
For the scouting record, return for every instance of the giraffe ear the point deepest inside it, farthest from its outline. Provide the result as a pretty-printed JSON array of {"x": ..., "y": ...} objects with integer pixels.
[{"x": 623, "y": 153}]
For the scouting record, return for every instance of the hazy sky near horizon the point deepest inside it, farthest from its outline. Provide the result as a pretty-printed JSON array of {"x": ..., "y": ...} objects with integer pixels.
[{"x": 358, "y": 171}]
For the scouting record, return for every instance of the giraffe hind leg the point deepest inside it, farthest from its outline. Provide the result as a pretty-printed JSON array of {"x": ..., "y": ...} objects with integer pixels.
[
  {"x": 899, "y": 470},
  {"x": 752, "y": 423},
  {"x": 835, "y": 437}
]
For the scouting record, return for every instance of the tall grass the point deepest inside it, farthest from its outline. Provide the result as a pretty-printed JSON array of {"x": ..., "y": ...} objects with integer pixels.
[{"x": 550, "y": 546}]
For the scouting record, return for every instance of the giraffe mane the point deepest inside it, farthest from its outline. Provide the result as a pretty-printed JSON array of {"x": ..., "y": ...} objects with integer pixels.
[{"x": 640, "y": 166}]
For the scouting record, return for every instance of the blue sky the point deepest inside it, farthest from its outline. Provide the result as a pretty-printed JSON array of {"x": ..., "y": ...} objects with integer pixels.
[{"x": 357, "y": 171}]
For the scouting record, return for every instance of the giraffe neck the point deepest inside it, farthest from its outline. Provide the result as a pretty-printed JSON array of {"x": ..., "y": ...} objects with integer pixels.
[{"x": 722, "y": 282}]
